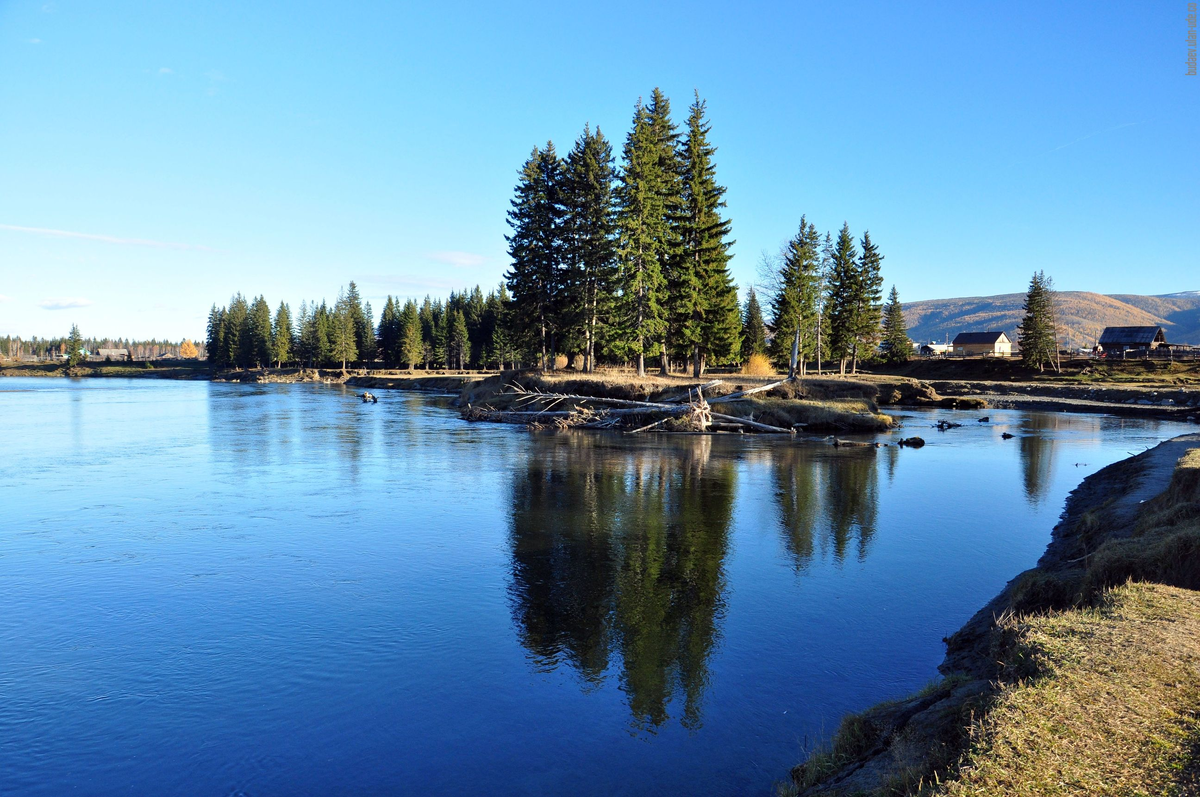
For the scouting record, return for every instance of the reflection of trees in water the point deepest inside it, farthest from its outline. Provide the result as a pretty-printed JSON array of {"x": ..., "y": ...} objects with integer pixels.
[
  {"x": 1037, "y": 452},
  {"x": 827, "y": 500},
  {"x": 619, "y": 552}
]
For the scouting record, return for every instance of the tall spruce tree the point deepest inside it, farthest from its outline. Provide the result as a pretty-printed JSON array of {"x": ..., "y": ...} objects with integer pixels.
[
  {"x": 754, "y": 329},
  {"x": 843, "y": 297},
  {"x": 535, "y": 246},
  {"x": 214, "y": 343},
  {"x": 342, "y": 339},
  {"x": 897, "y": 347},
  {"x": 364, "y": 332},
  {"x": 458, "y": 342},
  {"x": 707, "y": 319},
  {"x": 235, "y": 322},
  {"x": 256, "y": 338},
  {"x": 283, "y": 337},
  {"x": 867, "y": 301},
  {"x": 590, "y": 245},
  {"x": 1038, "y": 334},
  {"x": 641, "y": 229},
  {"x": 410, "y": 347},
  {"x": 794, "y": 305},
  {"x": 74, "y": 347},
  {"x": 389, "y": 332},
  {"x": 664, "y": 140}
]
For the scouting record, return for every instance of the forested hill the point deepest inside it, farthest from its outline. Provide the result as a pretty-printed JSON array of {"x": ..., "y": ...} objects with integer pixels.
[{"x": 1081, "y": 315}]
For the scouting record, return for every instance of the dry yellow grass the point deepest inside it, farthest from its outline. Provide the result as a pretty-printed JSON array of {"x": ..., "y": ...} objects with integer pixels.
[
  {"x": 1110, "y": 710},
  {"x": 758, "y": 365}
]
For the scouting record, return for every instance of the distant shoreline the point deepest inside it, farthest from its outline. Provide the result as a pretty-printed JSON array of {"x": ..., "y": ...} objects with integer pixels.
[{"x": 1170, "y": 395}]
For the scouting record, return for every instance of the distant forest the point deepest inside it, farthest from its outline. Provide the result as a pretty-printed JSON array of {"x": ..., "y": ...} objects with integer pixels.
[
  {"x": 17, "y": 348},
  {"x": 609, "y": 265}
]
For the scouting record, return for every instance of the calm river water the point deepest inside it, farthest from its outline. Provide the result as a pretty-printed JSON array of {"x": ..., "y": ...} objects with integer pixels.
[{"x": 231, "y": 589}]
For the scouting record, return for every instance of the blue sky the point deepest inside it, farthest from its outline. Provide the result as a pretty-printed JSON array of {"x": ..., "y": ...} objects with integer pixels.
[{"x": 156, "y": 157}]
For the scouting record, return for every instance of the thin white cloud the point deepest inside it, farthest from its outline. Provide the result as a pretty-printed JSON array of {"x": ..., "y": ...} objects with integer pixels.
[
  {"x": 458, "y": 259},
  {"x": 108, "y": 239},
  {"x": 3, "y": 298},
  {"x": 1095, "y": 133},
  {"x": 64, "y": 303},
  {"x": 166, "y": 70},
  {"x": 35, "y": 41}
]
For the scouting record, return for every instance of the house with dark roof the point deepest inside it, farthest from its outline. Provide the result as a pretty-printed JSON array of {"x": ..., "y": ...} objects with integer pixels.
[
  {"x": 988, "y": 344},
  {"x": 1130, "y": 338}
]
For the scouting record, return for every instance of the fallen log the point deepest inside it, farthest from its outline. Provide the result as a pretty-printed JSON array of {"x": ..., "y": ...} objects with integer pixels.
[
  {"x": 688, "y": 395},
  {"x": 751, "y": 391},
  {"x": 531, "y": 397},
  {"x": 762, "y": 427},
  {"x": 650, "y": 426}
]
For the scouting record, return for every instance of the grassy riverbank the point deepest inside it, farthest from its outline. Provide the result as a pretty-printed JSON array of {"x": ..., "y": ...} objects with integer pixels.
[
  {"x": 168, "y": 369},
  {"x": 1081, "y": 678}
]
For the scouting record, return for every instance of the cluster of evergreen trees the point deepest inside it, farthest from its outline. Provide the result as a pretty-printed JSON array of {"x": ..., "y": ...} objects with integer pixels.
[
  {"x": 615, "y": 262},
  {"x": 628, "y": 262},
  {"x": 468, "y": 330},
  {"x": 826, "y": 303}
]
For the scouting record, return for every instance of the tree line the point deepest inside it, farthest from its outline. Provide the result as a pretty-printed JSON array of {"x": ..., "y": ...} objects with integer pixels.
[
  {"x": 467, "y": 330},
  {"x": 18, "y": 348}
]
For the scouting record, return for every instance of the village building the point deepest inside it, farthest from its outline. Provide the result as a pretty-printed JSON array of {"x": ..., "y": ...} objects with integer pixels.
[
  {"x": 1117, "y": 339},
  {"x": 116, "y": 355},
  {"x": 935, "y": 349},
  {"x": 987, "y": 344}
]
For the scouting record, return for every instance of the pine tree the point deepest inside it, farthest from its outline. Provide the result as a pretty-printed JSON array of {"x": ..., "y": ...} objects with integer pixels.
[
  {"x": 754, "y": 329},
  {"x": 535, "y": 246},
  {"x": 1038, "y": 333},
  {"x": 364, "y": 332},
  {"x": 458, "y": 343},
  {"x": 897, "y": 346},
  {"x": 707, "y": 319},
  {"x": 235, "y": 322},
  {"x": 428, "y": 328},
  {"x": 215, "y": 339},
  {"x": 74, "y": 347},
  {"x": 642, "y": 228},
  {"x": 410, "y": 347},
  {"x": 283, "y": 337},
  {"x": 794, "y": 306},
  {"x": 370, "y": 348},
  {"x": 843, "y": 297},
  {"x": 664, "y": 140},
  {"x": 590, "y": 246},
  {"x": 256, "y": 340},
  {"x": 342, "y": 339},
  {"x": 868, "y": 296},
  {"x": 474, "y": 307},
  {"x": 389, "y": 332}
]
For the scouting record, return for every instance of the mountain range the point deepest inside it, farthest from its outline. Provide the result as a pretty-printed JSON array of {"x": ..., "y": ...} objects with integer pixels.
[{"x": 1082, "y": 316}]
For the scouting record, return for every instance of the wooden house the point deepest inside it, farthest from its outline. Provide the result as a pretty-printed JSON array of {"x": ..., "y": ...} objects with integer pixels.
[
  {"x": 987, "y": 344},
  {"x": 1131, "y": 338}
]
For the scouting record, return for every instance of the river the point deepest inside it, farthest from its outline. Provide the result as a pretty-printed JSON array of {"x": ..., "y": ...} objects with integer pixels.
[{"x": 276, "y": 589}]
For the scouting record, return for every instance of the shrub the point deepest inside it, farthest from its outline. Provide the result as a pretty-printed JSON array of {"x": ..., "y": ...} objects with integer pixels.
[{"x": 758, "y": 365}]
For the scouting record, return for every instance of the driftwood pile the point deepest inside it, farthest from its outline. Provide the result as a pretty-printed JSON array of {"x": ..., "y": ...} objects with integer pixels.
[{"x": 686, "y": 412}]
